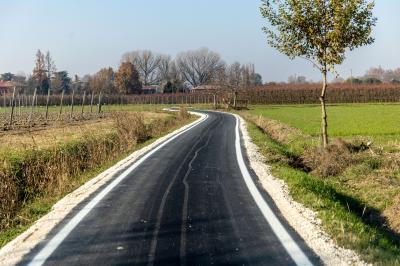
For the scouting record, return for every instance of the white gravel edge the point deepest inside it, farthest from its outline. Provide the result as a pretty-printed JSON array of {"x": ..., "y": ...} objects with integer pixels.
[
  {"x": 302, "y": 219},
  {"x": 14, "y": 251}
]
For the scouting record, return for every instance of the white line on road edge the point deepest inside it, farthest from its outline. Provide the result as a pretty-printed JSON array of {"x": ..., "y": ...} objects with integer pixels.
[
  {"x": 49, "y": 248},
  {"x": 286, "y": 240}
]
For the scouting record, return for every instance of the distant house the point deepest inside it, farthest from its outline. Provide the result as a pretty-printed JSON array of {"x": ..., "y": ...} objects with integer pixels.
[
  {"x": 151, "y": 89},
  {"x": 6, "y": 87}
]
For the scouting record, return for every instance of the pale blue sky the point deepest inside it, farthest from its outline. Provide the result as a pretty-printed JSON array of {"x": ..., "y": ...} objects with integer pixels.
[{"x": 85, "y": 35}]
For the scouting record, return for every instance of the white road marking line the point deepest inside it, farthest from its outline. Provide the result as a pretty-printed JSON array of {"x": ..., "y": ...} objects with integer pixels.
[
  {"x": 49, "y": 248},
  {"x": 286, "y": 240}
]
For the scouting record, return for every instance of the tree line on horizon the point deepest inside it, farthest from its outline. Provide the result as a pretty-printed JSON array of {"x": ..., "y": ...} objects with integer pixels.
[{"x": 139, "y": 69}]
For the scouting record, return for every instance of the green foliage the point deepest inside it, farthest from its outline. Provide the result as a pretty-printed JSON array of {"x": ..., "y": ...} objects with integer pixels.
[
  {"x": 354, "y": 81},
  {"x": 319, "y": 31},
  {"x": 7, "y": 76},
  {"x": 61, "y": 82},
  {"x": 372, "y": 81},
  {"x": 169, "y": 88}
]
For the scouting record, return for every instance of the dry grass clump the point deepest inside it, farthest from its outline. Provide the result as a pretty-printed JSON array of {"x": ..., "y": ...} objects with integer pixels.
[
  {"x": 330, "y": 161},
  {"x": 183, "y": 113},
  {"x": 131, "y": 126},
  {"x": 278, "y": 131}
]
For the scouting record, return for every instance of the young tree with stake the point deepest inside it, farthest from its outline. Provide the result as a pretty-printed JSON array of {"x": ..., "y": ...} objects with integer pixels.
[{"x": 320, "y": 31}]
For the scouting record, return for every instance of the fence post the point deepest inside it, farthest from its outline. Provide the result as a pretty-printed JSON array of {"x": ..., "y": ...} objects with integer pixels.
[
  {"x": 91, "y": 103},
  {"x": 19, "y": 105},
  {"x": 83, "y": 102},
  {"x": 32, "y": 106},
  {"x": 12, "y": 107},
  {"x": 47, "y": 104},
  {"x": 72, "y": 104},
  {"x": 4, "y": 106},
  {"x": 61, "y": 102}
]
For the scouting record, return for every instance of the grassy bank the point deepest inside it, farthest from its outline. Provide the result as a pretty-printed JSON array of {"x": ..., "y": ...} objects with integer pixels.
[
  {"x": 354, "y": 188},
  {"x": 33, "y": 178}
]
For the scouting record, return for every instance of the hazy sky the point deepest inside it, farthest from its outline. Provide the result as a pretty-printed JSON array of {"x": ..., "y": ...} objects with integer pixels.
[{"x": 85, "y": 35}]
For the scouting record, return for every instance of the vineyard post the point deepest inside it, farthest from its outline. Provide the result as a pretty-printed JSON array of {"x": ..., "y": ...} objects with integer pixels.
[
  {"x": 61, "y": 101},
  {"x": 32, "y": 106},
  {"x": 12, "y": 107},
  {"x": 91, "y": 103},
  {"x": 72, "y": 104},
  {"x": 36, "y": 101},
  {"x": 47, "y": 104},
  {"x": 215, "y": 101},
  {"x": 83, "y": 102},
  {"x": 99, "y": 105},
  {"x": 4, "y": 103},
  {"x": 19, "y": 104}
]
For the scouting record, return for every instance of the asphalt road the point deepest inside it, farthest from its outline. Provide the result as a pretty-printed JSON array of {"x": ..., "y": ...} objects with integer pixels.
[{"x": 185, "y": 204}]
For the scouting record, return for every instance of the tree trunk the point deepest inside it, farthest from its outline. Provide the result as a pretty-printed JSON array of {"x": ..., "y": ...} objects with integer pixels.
[{"x": 324, "y": 122}]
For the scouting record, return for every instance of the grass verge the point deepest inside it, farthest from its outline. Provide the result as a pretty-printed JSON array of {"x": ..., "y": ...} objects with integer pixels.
[{"x": 344, "y": 217}]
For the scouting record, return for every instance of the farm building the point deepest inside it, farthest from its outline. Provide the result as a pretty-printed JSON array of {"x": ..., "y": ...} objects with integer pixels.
[{"x": 6, "y": 87}]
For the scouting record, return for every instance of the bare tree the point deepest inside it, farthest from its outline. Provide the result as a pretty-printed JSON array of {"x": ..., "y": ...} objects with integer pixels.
[
  {"x": 164, "y": 68},
  {"x": 198, "y": 67},
  {"x": 235, "y": 74},
  {"x": 147, "y": 63},
  {"x": 50, "y": 67},
  {"x": 39, "y": 73}
]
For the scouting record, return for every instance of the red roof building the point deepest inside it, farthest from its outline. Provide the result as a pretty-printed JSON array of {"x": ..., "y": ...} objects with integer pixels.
[{"x": 6, "y": 87}]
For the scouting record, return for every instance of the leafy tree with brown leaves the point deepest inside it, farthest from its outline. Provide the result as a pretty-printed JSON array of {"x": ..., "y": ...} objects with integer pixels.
[
  {"x": 320, "y": 31},
  {"x": 127, "y": 79}
]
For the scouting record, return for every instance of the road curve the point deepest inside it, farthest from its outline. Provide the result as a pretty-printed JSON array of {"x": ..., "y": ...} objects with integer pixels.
[{"x": 187, "y": 202}]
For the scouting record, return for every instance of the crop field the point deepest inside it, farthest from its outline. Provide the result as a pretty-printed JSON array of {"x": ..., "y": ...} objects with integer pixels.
[{"x": 376, "y": 122}]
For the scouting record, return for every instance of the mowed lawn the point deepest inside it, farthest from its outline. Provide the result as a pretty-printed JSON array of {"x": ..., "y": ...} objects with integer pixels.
[{"x": 380, "y": 121}]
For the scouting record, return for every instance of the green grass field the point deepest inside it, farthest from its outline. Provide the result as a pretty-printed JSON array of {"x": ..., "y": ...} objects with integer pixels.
[
  {"x": 369, "y": 180},
  {"x": 344, "y": 120}
]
